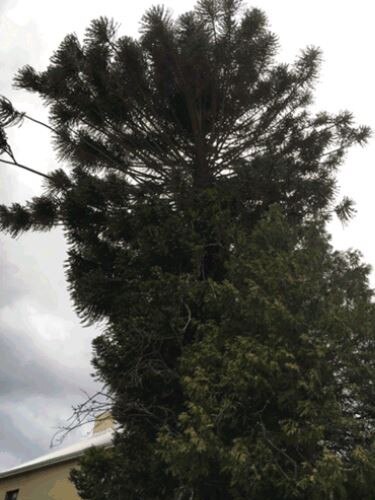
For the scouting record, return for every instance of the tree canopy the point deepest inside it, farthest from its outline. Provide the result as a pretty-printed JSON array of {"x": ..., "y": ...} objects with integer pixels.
[{"x": 238, "y": 346}]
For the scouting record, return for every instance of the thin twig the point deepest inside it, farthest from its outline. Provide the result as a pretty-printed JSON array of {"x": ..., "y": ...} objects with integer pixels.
[{"x": 29, "y": 169}]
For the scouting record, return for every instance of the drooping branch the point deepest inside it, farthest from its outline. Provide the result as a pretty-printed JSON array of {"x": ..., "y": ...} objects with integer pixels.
[{"x": 83, "y": 413}]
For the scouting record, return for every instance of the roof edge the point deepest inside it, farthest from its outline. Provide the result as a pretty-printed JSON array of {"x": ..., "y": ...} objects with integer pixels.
[
  {"x": 49, "y": 461},
  {"x": 42, "y": 465}
]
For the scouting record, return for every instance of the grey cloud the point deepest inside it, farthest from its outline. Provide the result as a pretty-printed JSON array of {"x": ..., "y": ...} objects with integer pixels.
[
  {"x": 14, "y": 439},
  {"x": 44, "y": 356},
  {"x": 25, "y": 371},
  {"x": 36, "y": 396},
  {"x": 12, "y": 286}
]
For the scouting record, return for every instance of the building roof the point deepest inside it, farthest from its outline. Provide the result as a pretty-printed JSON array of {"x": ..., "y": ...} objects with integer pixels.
[{"x": 62, "y": 455}]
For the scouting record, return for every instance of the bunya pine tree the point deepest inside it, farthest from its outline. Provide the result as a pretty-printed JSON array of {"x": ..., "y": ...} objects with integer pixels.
[{"x": 238, "y": 347}]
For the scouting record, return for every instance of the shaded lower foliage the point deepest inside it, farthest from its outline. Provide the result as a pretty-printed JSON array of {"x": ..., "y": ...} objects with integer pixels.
[{"x": 274, "y": 397}]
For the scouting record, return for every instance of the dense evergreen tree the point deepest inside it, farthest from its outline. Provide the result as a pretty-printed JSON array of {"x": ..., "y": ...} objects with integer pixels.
[{"x": 238, "y": 347}]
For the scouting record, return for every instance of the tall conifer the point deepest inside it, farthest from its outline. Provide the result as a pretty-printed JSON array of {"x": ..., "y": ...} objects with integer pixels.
[{"x": 239, "y": 346}]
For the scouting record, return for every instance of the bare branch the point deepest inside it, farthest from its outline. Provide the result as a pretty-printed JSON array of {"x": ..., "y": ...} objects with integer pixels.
[{"x": 29, "y": 169}]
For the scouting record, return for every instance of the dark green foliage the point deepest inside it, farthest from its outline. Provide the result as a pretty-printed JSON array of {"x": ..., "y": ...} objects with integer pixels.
[
  {"x": 280, "y": 389},
  {"x": 193, "y": 103},
  {"x": 237, "y": 346}
]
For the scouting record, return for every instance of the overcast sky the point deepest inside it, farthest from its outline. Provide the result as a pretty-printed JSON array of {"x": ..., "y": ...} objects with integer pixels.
[{"x": 44, "y": 351}]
